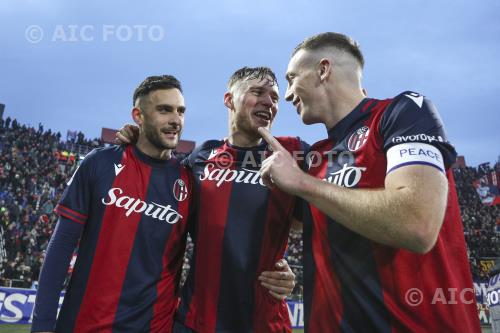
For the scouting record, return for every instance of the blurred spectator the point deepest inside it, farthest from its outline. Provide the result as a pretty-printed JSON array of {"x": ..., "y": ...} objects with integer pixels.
[
  {"x": 294, "y": 257},
  {"x": 479, "y": 220},
  {"x": 31, "y": 182},
  {"x": 34, "y": 167}
]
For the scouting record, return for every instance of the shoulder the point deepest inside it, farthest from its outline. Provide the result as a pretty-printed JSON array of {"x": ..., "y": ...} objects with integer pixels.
[
  {"x": 323, "y": 144},
  {"x": 410, "y": 100},
  {"x": 101, "y": 156},
  {"x": 410, "y": 109},
  {"x": 202, "y": 152},
  {"x": 103, "y": 152},
  {"x": 207, "y": 145},
  {"x": 292, "y": 143}
]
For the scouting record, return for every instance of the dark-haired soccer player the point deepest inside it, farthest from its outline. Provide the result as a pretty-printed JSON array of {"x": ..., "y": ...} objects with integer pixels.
[
  {"x": 385, "y": 249},
  {"x": 130, "y": 205},
  {"x": 241, "y": 227}
]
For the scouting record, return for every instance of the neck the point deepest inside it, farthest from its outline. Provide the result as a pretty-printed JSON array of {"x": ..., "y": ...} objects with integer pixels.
[
  {"x": 342, "y": 102},
  {"x": 240, "y": 139},
  {"x": 147, "y": 148}
]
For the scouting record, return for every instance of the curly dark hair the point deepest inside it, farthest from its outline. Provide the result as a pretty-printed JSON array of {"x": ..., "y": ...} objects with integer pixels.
[
  {"x": 332, "y": 39},
  {"x": 156, "y": 82},
  {"x": 251, "y": 73}
]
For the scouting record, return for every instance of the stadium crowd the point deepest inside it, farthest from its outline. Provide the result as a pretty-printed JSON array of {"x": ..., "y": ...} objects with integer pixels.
[
  {"x": 33, "y": 170},
  {"x": 479, "y": 220},
  {"x": 33, "y": 174}
]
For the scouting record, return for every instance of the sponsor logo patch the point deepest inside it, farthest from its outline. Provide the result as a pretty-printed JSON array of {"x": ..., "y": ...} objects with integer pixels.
[
  {"x": 358, "y": 138},
  {"x": 180, "y": 190},
  {"x": 118, "y": 168},
  {"x": 348, "y": 176},
  {"x": 135, "y": 205}
]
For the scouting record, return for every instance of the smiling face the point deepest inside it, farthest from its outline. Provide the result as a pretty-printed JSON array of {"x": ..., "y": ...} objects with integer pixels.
[
  {"x": 253, "y": 103},
  {"x": 161, "y": 118},
  {"x": 302, "y": 90}
]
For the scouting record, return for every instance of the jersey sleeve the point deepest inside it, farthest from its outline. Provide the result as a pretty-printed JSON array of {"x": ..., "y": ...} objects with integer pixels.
[
  {"x": 75, "y": 200},
  {"x": 54, "y": 271},
  {"x": 413, "y": 133}
]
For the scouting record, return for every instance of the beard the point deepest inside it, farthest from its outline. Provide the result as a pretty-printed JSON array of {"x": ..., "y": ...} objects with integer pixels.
[{"x": 154, "y": 137}]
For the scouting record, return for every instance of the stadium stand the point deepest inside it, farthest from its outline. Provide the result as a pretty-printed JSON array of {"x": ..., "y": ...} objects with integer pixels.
[
  {"x": 35, "y": 164},
  {"x": 480, "y": 221}
]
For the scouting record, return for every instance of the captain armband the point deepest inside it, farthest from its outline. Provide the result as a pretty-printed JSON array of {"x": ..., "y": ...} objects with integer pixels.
[{"x": 414, "y": 153}]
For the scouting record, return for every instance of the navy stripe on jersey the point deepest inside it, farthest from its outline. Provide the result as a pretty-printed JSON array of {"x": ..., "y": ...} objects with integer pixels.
[
  {"x": 88, "y": 242},
  {"x": 173, "y": 258},
  {"x": 308, "y": 261},
  {"x": 365, "y": 283},
  {"x": 352, "y": 258},
  {"x": 350, "y": 255},
  {"x": 122, "y": 265},
  {"x": 211, "y": 219},
  {"x": 241, "y": 235},
  {"x": 222, "y": 292},
  {"x": 147, "y": 255},
  {"x": 114, "y": 246},
  {"x": 354, "y": 263}
]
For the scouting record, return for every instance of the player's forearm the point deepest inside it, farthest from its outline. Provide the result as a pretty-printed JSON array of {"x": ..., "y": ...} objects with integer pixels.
[
  {"x": 393, "y": 217},
  {"x": 54, "y": 271}
]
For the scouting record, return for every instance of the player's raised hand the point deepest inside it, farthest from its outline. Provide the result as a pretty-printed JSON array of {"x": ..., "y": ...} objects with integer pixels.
[
  {"x": 280, "y": 282},
  {"x": 279, "y": 169},
  {"x": 128, "y": 134}
]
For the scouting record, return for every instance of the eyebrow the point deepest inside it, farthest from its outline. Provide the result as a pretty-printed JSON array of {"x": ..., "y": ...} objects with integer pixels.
[
  {"x": 169, "y": 106},
  {"x": 259, "y": 88}
]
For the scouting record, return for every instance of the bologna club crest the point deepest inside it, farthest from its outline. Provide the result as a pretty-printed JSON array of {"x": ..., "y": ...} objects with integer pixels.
[
  {"x": 180, "y": 190},
  {"x": 358, "y": 138}
]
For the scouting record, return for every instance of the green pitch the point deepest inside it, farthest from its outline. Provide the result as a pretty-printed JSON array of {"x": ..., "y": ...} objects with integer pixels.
[{"x": 15, "y": 328}]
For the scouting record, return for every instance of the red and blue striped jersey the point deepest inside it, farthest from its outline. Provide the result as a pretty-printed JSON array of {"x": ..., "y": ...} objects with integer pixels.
[
  {"x": 135, "y": 211},
  {"x": 241, "y": 229},
  {"x": 352, "y": 284}
]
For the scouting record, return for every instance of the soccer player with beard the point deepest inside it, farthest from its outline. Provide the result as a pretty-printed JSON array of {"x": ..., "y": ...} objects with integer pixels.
[
  {"x": 241, "y": 227},
  {"x": 129, "y": 206},
  {"x": 384, "y": 242}
]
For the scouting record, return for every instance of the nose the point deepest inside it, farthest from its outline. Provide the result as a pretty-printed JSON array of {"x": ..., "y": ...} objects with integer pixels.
[
  {"x": 175, "y": 121},
  {"x": 267, "y": 101},
  {"x": 288, "y": 94}
]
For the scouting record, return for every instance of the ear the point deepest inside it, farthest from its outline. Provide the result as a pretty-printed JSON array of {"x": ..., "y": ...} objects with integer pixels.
[
  {"x": 137, "y": 116},
  {"x": 228, "y": 100},
  {"x": 324, "y": 69}
]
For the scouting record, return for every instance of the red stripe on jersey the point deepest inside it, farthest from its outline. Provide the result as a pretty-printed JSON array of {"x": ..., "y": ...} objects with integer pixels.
[
  {"x": 402, "y": 272},
  {"x": 372, "y": 176},
  {"x": 211, "y": 221},
  {"x": 268, "y": 316},
  {"x": 70, "y": 214},
  {"x": 377, "y": 113},
  {"x": 114, "y": 246},
  {"x": 440, "y": 276},
  {"x": 325, "y": 303},
  {"x": 164, "y": 308}
]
